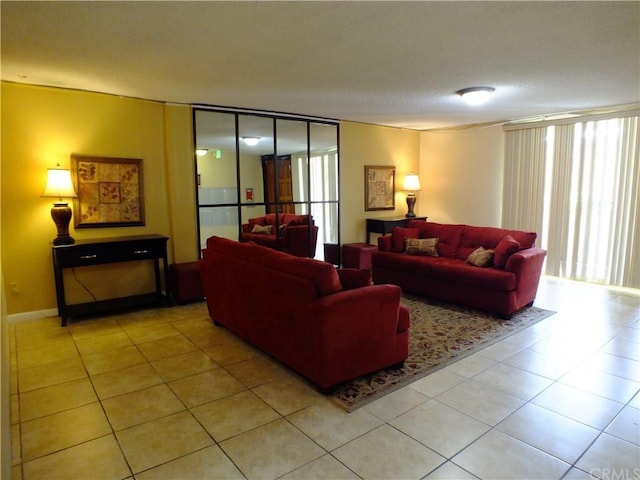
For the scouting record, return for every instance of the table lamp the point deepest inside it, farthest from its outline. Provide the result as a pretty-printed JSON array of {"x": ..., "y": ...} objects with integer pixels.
[
  {"x": 59, "y": 186},
  {"x": 412, "y": 185}
]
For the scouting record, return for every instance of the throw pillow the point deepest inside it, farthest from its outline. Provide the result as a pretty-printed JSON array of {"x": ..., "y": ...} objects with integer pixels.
[
  {"x": 399, "y": 235},
  {"x": 505, "y": 248},
  {"x": 261, "y": 229},
  {"x": 480, "y": 257},
  {"x": 421, "y": 246}
]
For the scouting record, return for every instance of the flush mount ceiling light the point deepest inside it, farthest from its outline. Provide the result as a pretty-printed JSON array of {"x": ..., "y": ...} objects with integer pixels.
[
  {"x": 251, "y": 141},
  {"x": 201, "y": 151},
  {"x": 476, "y": 95}
]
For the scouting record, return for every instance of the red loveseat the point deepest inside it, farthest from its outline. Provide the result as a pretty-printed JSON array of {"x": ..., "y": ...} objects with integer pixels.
[
  {"x": 297, "y": 234},
  {"x": 328, "y": 325},
  {"x": 507, "y": 283}
]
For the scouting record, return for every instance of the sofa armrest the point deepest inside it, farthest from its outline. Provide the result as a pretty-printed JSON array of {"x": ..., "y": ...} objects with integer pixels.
[
  {"x": 527, "y": 267},
  {"x": 385, "y": 243},
  {"x": 301, "y": 240},
  {"x": 351, "y": 278}
]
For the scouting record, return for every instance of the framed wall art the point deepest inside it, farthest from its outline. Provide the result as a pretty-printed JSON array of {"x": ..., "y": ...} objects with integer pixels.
[
  {"x": 379, "y": 188},
  {"x": 110, "y": 191}
]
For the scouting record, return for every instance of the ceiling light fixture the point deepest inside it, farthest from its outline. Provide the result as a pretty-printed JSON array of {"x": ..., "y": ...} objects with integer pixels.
[
  {"x": 201, "y": 152},
  {"x": 475, "y": 95},
  {"x": 251, "y": 141}
]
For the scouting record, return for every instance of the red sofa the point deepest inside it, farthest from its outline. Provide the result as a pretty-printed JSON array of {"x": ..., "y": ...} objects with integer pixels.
[
  {"x": 297, "y": 234},
  {"x": 506, "y": 284},
  {"x": 327, "y": 324}
]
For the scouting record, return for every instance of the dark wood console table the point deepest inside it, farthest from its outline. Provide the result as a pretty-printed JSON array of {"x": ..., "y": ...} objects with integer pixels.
[
  {"x": 385, "y": 225},
  {"x": 104, "y": 251}
]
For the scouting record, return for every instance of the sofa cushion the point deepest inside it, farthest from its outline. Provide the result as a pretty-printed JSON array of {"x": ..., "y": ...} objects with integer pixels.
[
  {"x": 323, "y": 275},
  {"x": 270, "y": 218},
  {"x": 294, "y": 219},
  {"x": 449, "y": 236},
  {"x": 256, "y": 221},
  {"x": 421, "y": 246},
  {"x": 270, "y": 241},
  {"x": 399, "y": 235},
  {"x": 409, "y": 264},
  {"x": 458, "y": 273},
  {"x": 489, "y": 237},
  {"x": 507, "y": 247},
  {"x": 480, "y": 257}
]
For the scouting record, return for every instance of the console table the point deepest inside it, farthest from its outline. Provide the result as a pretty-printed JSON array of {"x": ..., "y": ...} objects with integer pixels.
[
  {"x": 385, "y": 225},
  {"x": 104, "y": 251}
]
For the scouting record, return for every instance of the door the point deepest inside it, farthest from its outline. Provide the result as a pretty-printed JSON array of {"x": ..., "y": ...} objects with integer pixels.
[{"x": 278, "y": 183}]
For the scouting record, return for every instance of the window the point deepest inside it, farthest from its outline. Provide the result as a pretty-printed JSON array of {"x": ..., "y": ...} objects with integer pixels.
[{"x": 577, "y": 185}]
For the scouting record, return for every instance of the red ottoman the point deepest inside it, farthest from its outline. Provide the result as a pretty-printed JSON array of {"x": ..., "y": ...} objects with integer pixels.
[
  {"x": 357, "y": 255},
  {"x": 184, "y": 282}
]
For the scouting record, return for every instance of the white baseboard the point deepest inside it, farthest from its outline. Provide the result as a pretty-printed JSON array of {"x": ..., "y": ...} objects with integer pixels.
[{"x": 36, "y": 315}]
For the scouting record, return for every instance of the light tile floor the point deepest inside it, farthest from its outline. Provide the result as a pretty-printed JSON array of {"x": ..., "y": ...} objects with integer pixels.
[{"x": 164, "y": 394}]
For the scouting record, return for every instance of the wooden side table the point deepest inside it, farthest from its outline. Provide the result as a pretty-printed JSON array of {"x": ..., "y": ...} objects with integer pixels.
[
  {"x": 105, "y": 251},
  {"x": 385, "y": 225}
]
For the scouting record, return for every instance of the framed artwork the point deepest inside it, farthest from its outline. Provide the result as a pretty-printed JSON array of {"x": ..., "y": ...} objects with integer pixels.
[
  {"x": 110, "y": 191},
  {"x": 379, "y": 188}
]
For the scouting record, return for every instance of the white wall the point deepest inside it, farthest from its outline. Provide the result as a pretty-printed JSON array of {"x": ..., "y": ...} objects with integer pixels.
[{"x": 461, "y": 176}]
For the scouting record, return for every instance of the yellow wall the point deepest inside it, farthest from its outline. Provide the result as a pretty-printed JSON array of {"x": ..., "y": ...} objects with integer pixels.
[
  {"x": 42, "y": 127},
  {"x": 461, "y": 175},
  {"x": 362, "y": 145}
]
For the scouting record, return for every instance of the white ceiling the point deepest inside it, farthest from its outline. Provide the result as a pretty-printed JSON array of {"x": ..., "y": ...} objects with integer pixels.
[{"x": 387, "y": 63}]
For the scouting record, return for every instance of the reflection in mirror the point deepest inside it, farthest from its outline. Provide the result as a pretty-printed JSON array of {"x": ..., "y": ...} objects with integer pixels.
[
  {"x": 215, "y": 135},
  {"x": 292, "y": 147},
  {"x": 240, "y": 181}
]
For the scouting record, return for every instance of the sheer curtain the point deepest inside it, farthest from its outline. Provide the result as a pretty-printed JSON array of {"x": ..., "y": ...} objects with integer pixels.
[{"x": 577, "y": 185}]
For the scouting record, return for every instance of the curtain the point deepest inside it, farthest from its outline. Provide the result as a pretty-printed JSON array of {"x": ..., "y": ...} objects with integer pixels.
[
  {"x": 523, "y": 193},
  {"x": 577, "y": 185}
]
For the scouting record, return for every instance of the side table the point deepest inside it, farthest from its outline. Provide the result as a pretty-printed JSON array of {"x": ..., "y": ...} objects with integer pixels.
[
  {"x": 105, "y": 251},
  {"x": 385, "y": 225}
]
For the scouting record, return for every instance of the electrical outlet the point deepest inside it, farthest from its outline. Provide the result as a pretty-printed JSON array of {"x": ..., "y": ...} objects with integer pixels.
[{"x": 14, "y": 287}]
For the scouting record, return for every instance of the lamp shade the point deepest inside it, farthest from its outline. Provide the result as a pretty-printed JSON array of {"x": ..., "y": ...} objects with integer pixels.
[
  {"x": 59, "y": 184},
  {"x": 411, "y": 183}
]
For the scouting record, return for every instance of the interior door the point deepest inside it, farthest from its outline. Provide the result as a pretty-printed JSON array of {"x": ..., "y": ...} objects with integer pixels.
[{"x": 278, "y": 183}]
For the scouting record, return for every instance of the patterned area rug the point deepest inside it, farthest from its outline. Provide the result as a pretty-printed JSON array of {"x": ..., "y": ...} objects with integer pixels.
[{"x": 440, "y": 334}]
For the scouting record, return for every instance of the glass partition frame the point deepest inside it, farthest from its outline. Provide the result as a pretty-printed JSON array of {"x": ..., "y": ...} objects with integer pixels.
[{"x": 311, "y": 146}]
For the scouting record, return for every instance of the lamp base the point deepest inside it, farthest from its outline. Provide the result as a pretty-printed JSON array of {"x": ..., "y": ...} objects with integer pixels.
[
  {"x": 61, "y": 215},
  {"x": 411, "y": 203}
]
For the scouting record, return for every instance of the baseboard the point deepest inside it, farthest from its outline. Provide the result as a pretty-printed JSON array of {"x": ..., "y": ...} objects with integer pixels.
[{"x": 35, "y": 315}]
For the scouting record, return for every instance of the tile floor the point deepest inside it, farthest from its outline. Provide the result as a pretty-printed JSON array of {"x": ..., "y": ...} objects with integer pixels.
[{"x": 164, "y": 394}]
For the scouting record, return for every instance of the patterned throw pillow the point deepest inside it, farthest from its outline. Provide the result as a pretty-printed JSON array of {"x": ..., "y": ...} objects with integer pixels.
[
  {"x": 261, "y": 229},
  {"x": 480, "y": 257},
  {"x": 421, "y": 246},
  {"x": 399, "y": 235}
]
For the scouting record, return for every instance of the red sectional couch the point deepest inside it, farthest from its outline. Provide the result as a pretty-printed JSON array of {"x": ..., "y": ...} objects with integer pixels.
[
  {"x": 508, "y": 283},
  {"x": 329, "y": 325},
  {"x": 297, "y": 234}
]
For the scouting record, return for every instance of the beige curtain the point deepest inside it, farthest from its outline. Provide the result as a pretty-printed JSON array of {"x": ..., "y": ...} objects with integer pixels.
[{"x": 577, "y": 185}]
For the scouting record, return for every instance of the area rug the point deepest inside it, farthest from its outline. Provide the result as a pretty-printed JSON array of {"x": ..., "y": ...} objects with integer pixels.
[{"x": 440, "y": 334}]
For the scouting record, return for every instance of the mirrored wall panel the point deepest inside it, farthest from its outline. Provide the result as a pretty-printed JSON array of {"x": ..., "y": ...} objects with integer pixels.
[{"x": 268, "y": 178}]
